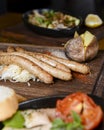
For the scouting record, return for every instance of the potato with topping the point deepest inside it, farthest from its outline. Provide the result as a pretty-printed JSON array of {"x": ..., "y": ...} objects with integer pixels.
[{"x": 82, "y": 47}]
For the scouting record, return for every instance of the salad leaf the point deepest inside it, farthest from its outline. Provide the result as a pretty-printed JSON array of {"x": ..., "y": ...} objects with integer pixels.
[
  {"x": 59, "y": 124},
  {"x": 39, "y": 19},
  {"x": 17, "y": 121}
]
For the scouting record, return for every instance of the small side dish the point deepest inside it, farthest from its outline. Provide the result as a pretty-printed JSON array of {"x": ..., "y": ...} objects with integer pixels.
[
  {"x": 52, "y": 19},
  {"x": 76, "y": 111},
  {"x": 51, "y": 23}
]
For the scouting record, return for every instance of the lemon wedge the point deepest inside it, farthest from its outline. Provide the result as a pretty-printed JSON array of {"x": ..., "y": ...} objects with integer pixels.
[{"x": 93, "y": 21}]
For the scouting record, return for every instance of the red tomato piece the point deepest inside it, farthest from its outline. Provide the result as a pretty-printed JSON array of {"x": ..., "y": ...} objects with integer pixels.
[{"x": 91, "y": 114}]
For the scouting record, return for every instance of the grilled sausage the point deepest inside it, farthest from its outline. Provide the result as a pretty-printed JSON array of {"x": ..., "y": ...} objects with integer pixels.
[{"x": 6, "y": 58}]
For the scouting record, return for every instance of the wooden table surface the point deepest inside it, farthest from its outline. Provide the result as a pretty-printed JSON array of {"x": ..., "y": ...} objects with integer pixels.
[{"x": 12, "y": 30}]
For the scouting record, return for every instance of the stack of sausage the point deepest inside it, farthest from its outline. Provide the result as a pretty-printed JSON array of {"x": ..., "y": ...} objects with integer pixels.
[{"x": 43, "y": 66}]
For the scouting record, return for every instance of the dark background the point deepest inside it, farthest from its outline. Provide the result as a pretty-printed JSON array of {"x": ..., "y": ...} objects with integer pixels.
[{"x": 75, "y": 7}]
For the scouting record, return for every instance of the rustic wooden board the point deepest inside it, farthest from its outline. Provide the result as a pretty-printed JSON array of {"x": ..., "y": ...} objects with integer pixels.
[
  {"x": 83, "y": 83},
  {"x": 21, "y": 33},
  {"x": 99, "y": 89}
]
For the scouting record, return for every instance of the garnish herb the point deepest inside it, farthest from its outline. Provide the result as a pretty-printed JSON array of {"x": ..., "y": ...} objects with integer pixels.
[{"x": 59, "y": 124}]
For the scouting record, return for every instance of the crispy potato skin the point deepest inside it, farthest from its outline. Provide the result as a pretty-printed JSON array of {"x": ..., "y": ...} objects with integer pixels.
[{"x": 75, "y": 49}]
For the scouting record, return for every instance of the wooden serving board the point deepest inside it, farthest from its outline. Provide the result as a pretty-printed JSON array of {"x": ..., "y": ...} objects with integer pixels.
[{"x": 83, "y": 83}]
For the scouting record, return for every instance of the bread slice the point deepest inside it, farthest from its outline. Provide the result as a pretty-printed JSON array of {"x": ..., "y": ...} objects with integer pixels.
[{"x": 8, "y": 102}]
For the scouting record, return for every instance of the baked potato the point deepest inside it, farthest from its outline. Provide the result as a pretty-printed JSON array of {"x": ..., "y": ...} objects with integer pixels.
[{"x": 82, "y": 47}]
